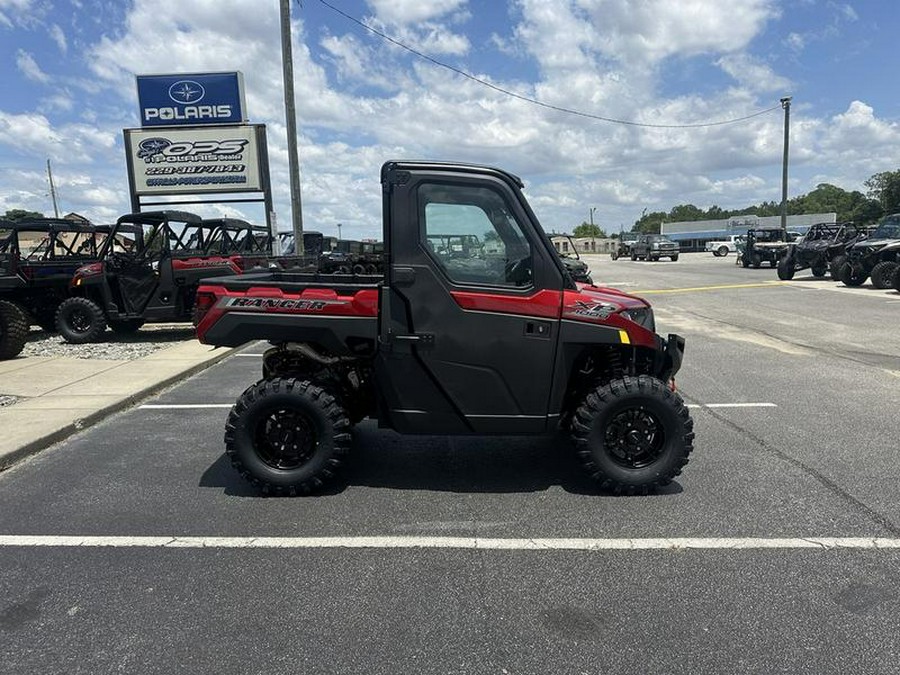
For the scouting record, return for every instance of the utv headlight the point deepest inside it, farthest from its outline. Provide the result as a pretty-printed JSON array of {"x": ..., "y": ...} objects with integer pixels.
[{"x": 642, "y": 316}]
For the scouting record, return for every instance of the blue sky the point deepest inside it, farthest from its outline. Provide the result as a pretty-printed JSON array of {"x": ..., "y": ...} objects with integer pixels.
[{"x": 68, "y": 69}]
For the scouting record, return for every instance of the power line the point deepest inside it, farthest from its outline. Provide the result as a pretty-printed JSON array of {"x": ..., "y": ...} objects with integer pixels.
[{"x": 535, "y": 101}]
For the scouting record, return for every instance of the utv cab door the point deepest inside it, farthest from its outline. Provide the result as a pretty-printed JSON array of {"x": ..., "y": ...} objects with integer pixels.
[
  {"x": 470, "y": 308},
  {"x": 141, "y": 272}
]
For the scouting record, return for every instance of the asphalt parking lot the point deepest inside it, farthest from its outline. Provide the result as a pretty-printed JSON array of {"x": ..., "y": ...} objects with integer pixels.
[{"x": 148, "y": 553}]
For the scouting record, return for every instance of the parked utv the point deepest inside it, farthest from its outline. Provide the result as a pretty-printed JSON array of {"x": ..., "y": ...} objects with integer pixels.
[
  {"x": 575, "y": 266},
  {"x": 767, "y": 244},
  {"x": 37, "y": 260},
  {"x": 654, "y": 247},
  {"x": 474, "y": 340},
  {"x": 622, "y": 248},
  {"x": 821, "y": 249},
  {"x": 148, "y": 270},
  {"x": 876, "y": 257}
]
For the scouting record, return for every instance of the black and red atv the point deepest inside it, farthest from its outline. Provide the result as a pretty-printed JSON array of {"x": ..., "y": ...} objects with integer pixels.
[
  {"x": 147, "y": 270},
  {"x": 472, "y": 340}
]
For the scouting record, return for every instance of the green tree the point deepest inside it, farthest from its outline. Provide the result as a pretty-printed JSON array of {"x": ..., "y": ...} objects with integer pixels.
[
  {"x": 588, "y": 230},
  {"x": 685, "y": 212},
  {"x": 885, "y": 188},
  {"x": 649, "y": 222},
  {"x": 21, "y": 214}
]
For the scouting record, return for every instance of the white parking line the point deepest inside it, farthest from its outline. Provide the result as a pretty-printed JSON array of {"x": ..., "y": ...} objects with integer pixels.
[
  {"x": 479, "y": 543},
  {"x": 183, "y": 406},
  {"x": 732, "y": 405},
  {"x": 198, "y": 406}
]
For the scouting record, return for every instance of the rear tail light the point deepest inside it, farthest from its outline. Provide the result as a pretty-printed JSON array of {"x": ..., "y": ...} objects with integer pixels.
[{"x": 204, "y": 302}]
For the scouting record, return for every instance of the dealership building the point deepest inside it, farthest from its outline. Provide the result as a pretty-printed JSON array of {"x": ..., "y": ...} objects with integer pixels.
[{"x": 693, "y": 235}]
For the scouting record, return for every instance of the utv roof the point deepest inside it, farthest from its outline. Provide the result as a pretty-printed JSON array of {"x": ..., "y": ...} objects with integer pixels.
[
  {"x": 48, "y": 225},
  {"x": 403, "y": 164},
  {"x": 233, "y": 223},
  {"x": 153, "y": 217}
]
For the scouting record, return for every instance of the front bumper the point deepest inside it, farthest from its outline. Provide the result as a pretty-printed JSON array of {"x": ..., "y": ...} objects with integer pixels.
[{"x": 669, "y": 356}]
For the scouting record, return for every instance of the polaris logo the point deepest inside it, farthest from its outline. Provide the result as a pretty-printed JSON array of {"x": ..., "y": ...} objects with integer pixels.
[{"x": 188, "y": 112}]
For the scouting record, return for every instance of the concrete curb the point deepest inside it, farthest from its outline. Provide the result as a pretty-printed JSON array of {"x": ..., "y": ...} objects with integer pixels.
[{"x": 10, "y": 459}]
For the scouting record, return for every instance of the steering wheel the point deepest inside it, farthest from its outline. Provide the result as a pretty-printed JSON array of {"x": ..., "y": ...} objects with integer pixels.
[{"x": 519, "y": 271}]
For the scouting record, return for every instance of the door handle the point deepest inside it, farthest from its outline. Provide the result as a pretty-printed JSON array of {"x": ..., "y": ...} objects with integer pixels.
[{"x": 403, "y": 276}]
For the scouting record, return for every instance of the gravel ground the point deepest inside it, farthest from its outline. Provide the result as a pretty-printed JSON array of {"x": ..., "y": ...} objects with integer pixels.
[{"x": 113, "y": 346}]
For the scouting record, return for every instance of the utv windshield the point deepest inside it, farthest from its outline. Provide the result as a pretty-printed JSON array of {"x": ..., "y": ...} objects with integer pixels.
[{"x": 889, "y": 228}]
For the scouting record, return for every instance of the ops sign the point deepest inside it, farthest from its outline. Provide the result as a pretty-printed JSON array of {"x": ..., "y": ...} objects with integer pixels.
[{"x": 191, "y": 98}]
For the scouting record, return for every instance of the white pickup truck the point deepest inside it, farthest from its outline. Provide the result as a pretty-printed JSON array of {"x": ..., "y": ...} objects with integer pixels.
[{"x": 721, "y": 247}]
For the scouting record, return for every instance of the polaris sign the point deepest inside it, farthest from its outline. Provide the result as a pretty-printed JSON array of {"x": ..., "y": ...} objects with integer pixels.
[{"x": 199, "y": 98}]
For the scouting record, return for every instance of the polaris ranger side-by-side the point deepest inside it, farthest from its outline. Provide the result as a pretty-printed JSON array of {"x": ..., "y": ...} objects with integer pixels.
[
  {"x": 150, "y": 276},
  {"x": 496, "y": 341}
]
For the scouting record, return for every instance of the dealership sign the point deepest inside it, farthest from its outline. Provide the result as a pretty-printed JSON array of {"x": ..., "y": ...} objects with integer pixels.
[
  {"x": 184, "y": 98},
  {"x": 193, "y": 160}
]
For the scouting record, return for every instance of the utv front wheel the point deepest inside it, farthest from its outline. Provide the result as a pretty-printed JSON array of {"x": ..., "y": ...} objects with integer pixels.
[
  {"x": 633, "y": 434},
  {"x": 834, "y": 267},
  {"x": 819, "y": 271},
  {"x": 852, "y": 275},
  {"x": 80, "y": 320},
  {"x": 882, "y": 274},
  {"x": 786, "y": 268},
  {"x": 13, "y": 330},
  {"x": 287, "y": 436}
]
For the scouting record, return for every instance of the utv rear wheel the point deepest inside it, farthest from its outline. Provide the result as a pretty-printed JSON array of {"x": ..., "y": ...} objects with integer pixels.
[
  {"x": 819, "y": 271},
  {"x": 13, "y": 330},
  {"x": 287, "y": 436},
  {"x": 756, "y": 261},
  {"x": 633, "y": 434},
  {"x": 882, "y": 274},
  {"x": 786, "y": 268},
  {"x": 852, "y": 275},
  {"x": 80, "y": 320}
]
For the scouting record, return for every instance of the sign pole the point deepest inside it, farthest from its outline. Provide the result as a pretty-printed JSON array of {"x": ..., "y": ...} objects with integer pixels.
[{"x": 287, "y": 61}]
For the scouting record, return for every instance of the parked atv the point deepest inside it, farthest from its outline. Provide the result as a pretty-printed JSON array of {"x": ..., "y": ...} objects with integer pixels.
[
  {"x": 821, "y": 249},
  {"x": 148, "y": 270},
  {"x": 623, "y": 246},
  {"x": 877, "y": 256},
  {"x": 37, "y": 260},
  {"x": 764, "y": 245}
]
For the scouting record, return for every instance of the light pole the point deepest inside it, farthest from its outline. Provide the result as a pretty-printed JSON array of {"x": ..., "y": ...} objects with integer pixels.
[
  {"x": 339, "y": 231},
  {"x": 290, "y": 115},
  {"x": 786, "y": 104},
  {"x": 593, "y": 238}
]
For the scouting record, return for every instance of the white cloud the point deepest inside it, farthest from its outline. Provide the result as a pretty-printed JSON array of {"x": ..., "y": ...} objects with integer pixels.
[
  {"x": 401, "y": 12},
  {"x": 29, "y": 68},
  {"x": 59, "y": 37},
  {"x": 15, "y": 12},
  {"x": 752, "y": 74}
]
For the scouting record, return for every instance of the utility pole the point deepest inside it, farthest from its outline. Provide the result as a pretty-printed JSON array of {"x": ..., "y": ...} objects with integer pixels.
[
  {"x": 593, "y": 237},
  {"x": 52, "y": 190},
  {"x": 339, "y": 231},
  {"x": 290, "y": 114},
  {"x": 786, "y": 104}
]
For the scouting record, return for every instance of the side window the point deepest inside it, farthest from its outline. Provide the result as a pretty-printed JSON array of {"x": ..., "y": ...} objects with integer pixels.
[{"x": 473, "y": 235}]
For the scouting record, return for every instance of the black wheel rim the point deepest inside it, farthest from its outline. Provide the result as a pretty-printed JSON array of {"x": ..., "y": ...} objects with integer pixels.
[
  {"x": 80, "y": 321},
  {"x": 285, "y": 439},
  {"x": 634, "y": 438}
]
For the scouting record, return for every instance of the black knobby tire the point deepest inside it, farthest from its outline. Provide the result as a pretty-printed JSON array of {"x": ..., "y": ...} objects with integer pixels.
[
  {"x": 786, "y": 268},
  {"x": 13, "y": 330},
  {"x": 633, "y": 434},
  {"x": 756, "y": 261},
  {"x": 819, "y": 271},
  {"x": 126, "y": 326},
  {"x": 851, "y": 275},
  {"x": 834, "y": 267},
  {"x": 80, "y": 320},
  {"x": 883, "y": 273},
  {"x": 287, "y": 436},
  {"x": 895, "y": 282},
  {"x": 634, "y": 255}
]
